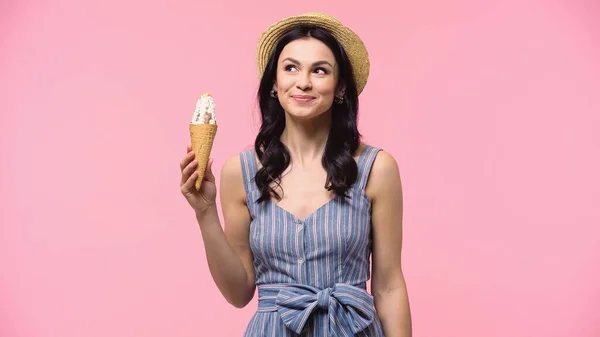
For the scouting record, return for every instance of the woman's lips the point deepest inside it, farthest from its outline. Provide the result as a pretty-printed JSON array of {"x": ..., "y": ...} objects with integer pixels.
[{"x": 303, "y": 98}]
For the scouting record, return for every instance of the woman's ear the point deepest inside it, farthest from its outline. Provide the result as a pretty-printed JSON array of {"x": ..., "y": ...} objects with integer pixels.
[
  {"x": 274, "y": 90},
  {"x": 341, "y": 90}
]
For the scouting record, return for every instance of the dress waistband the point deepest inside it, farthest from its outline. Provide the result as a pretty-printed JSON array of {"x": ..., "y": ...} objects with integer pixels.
[{"x": 350, "y": 307}]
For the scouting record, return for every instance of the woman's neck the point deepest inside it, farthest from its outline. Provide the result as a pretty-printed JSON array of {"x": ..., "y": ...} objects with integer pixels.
[{"x": 306, "y": 139}]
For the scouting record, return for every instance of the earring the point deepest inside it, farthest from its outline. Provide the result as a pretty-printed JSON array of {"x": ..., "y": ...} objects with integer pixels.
[
  {"x": 273, "y": 93},
  {"x": 339, "y": 100}
]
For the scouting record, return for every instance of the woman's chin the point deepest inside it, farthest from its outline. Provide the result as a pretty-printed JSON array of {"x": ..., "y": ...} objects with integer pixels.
[{"x": 305, "y": 114}]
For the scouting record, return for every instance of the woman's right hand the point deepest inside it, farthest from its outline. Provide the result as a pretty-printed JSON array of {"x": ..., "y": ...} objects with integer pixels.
[{"x": 203, "y": 199}]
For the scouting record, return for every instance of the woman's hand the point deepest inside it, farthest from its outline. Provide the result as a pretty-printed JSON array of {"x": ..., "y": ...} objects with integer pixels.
[{"x": 203, "y": 199}]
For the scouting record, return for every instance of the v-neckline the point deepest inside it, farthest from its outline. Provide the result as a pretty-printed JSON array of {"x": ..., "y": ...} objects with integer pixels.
[
  {"x": 313, "y": 213},
  {"x": 310, "y": 215}
]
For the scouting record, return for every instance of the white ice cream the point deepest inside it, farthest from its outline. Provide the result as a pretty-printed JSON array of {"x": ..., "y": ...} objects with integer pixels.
[{"x": 205, "y": 110}]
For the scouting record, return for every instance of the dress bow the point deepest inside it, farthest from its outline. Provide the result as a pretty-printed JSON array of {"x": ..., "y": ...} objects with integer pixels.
[{"x": 350, "y": 309}]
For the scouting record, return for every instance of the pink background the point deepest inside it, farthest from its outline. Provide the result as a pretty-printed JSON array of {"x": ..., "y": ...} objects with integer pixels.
[{"x": 490, "y": 107}]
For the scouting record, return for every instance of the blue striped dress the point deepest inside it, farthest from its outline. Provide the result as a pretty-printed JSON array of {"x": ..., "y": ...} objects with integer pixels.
[{"x": 311, "y": 273}]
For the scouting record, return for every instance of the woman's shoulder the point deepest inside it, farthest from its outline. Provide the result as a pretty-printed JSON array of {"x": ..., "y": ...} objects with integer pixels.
[
  {"x": 232, "y": 167},
  {"x": 234, "y": 162},
  {"x": 239, "y": 164},
  {"x": 384, "y": 162},
  {"x": 233, "y": 178},
  {"x": 384, "y": 174},
  {"x": 366, "y": 148}
]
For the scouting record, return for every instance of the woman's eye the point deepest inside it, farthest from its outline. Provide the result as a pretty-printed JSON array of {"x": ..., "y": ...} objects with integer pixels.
[
  {"x": 290, "y": 67},
  {"x": 321, "y": 71}
]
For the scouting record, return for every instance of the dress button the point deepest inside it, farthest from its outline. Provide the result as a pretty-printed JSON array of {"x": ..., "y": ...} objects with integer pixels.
[
  {"x": 300, "y": 260},
  {"x": 300, "y": 226}
]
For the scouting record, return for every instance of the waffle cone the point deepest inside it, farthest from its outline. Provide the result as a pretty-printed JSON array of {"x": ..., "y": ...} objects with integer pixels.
[{"x": 202, "y": 136}]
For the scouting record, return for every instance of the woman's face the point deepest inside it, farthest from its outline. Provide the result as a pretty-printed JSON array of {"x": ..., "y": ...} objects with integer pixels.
[{"x": 307, "y": 77}]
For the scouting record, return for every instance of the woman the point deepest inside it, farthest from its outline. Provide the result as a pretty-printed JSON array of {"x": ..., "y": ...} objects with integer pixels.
[{"x": 306, "y": 208}]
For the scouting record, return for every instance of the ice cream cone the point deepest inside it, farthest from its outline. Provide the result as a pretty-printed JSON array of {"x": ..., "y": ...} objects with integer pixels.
[{"x": 202, "y": 136}]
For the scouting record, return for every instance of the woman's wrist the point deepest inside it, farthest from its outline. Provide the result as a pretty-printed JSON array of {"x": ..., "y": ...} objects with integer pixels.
[{"x": 207, "y": 216}]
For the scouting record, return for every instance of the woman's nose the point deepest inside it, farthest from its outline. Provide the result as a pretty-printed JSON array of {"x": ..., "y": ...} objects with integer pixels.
[{"x": 304, "y": 83}]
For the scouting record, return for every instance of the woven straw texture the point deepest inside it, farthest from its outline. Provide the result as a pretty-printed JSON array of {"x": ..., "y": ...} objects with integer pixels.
[
  {"x": 353, "y": 45},
  {"x": 202, "y": 136}
]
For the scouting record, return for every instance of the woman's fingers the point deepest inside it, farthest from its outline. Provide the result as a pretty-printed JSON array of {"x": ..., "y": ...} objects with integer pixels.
[
  {"x": 186, "y": 160},
  {"x": 188, "y": 170},
  {"x": 190, "y": 184}
]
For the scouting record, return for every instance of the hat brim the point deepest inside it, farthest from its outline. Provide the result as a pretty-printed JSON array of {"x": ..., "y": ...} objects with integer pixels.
[{"x": 353, "y": 45}]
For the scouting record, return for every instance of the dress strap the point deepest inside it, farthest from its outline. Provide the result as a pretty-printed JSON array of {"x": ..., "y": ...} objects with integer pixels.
[
  {"x": 365, "y": 162},
  {"x": 249, "y": 169}
]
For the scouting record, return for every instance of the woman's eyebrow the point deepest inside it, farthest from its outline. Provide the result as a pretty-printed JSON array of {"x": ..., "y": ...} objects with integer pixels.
[{"x": 318, "y": 63}]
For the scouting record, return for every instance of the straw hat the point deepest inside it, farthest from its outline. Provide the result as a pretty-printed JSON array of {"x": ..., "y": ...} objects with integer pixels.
[{"x": 353, "y": 45}]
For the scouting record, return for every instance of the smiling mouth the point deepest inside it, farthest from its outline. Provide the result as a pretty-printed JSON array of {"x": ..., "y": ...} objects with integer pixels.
[{"x": 303, "y": 98}]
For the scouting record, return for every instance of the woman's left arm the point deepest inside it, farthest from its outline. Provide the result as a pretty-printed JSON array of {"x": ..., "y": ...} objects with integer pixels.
[{"x": 388, "y": 285}]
